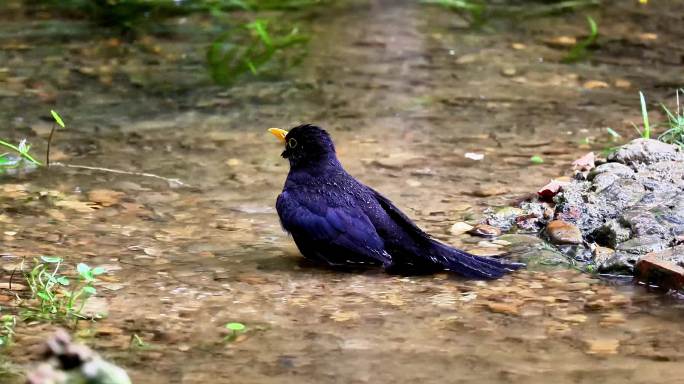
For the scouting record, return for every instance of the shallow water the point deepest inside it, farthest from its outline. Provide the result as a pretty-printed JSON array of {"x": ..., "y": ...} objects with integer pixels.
[{"x": 405, "y": 92}]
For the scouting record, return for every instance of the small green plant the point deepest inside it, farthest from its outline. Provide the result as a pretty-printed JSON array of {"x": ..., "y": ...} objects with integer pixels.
[
  {"x": 235, "y": 330},
  {"x": 23, "y": 158},
  {"x": 59, "y": 298},
  {"x": 581, "y": 50},
  {"x": 675, "y": 132},
  {"x": 7, "y": 324},
  {"x": 249, "y": 48}
]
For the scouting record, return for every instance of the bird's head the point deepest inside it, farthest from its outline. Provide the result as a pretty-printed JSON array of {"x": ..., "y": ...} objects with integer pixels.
[{"x": 306, "y": 145}]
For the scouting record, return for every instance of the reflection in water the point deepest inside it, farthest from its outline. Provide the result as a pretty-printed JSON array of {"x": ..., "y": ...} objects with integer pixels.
[{"x": 405, "y": 93}]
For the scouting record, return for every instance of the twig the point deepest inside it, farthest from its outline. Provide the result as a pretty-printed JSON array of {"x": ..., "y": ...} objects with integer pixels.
[
  {"x": 47, "y": 153},
  {"x": 170, "y": 181}
]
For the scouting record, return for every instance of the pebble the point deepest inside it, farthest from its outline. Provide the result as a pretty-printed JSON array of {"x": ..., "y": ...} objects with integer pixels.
[
  {"x": 509, "y": 71},
  {"x": 595, "y": 84},
  {"x": 577, "y": 318},
  {"x": 504, "y": 308},
  {"x": 602, "y": 254},
  {"x": 484, "y": 230},
  {"x": 562, "y": 232},
  {"x": 602, "y": 346},
  {"x": 460, "y": 228},
  {"x": 488, "y": 244}
]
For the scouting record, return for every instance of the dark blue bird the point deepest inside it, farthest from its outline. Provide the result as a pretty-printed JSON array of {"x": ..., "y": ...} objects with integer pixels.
[{"x": 335, "y": 219}]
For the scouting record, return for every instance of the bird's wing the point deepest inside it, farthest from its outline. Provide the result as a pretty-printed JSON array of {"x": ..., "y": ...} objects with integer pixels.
[
  {"x": 338, "y": 227},
  {"x": 399, "y": 217}
]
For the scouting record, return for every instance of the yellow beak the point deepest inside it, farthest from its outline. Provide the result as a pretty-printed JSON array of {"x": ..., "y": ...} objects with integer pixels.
[{"x": 279, "y": 133}]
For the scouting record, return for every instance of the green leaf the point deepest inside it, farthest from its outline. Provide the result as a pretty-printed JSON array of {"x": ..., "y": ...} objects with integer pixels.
[
  {"x": 236, "y": 327},
  {"x": 89, "y": 290},
  {"x": 536, "y": 159},
  {"x": 98, "y": 271},
  {"x": 57, "y": 118},
  {"x": 51, "y": 259},
  {"x": 82, "y": 269},
  {"x": 63, "y": 280},
  {"x": 43, "y": 295}
]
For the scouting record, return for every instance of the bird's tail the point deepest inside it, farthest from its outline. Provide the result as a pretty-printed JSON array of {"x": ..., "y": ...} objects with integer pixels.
[{"x": 470, "y": 266}]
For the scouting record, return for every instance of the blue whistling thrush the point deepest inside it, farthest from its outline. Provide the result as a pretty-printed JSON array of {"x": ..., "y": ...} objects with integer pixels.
[{"x": 335, "y": 219}]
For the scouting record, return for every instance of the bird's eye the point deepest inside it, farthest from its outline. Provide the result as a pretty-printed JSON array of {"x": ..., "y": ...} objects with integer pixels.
[{"x": 292, "y": 143}]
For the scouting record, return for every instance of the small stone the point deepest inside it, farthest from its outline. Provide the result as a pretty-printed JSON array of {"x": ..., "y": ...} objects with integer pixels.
[
  {"x": 577, "y": 318},
  {"x": 561, "y": 41},
  {"x": 647, "y": 36},
  {"x": 505, "y": 308},
  {"x": 486, "y": 252},
  {"x": 488, "y": 244},
  {"x": 484, "y": 230},
  {"x": 467, "y": 59},
  {"x": 602, "y": 254},
  {"x": 622, "y": 83},
  {"x": 509, "y": 71},
  {"x": 233, "y": 162},
  {"x": 562, "y": 232},
  {"x": 518, "y": 46},
  {"x": 460, "y": 228},
  {"x": 595, "y": 84},
  {"x": 602, "y": 346}
]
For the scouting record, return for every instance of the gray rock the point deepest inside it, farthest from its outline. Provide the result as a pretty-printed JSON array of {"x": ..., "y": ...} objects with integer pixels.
[
  {"x": 645, "y": 151},
  {"x": 71, "y": 363},
  {"x": 616, "y": 169},
  {"x": 633, "y": 204},
  {"x": 641, "y": 245}
]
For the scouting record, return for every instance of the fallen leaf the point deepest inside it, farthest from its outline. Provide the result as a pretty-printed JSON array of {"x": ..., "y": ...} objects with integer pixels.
[
  {"x": 105, "y": 197},
  {"x": 78, "y": 206}
]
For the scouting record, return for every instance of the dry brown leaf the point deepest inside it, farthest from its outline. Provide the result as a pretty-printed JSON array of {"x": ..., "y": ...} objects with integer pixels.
[
  {"x": 105, "y": 197},
  {"x": 78, "y": 206}
]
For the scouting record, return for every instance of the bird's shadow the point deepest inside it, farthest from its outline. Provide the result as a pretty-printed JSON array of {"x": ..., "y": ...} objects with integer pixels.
[{"x": 288, "y": 262}]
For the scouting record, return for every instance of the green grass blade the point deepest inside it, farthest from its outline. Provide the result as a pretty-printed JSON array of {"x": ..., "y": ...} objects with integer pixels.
[
  {"x": 57, "y": 118},
  {"x": 644, "y": 114}
]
